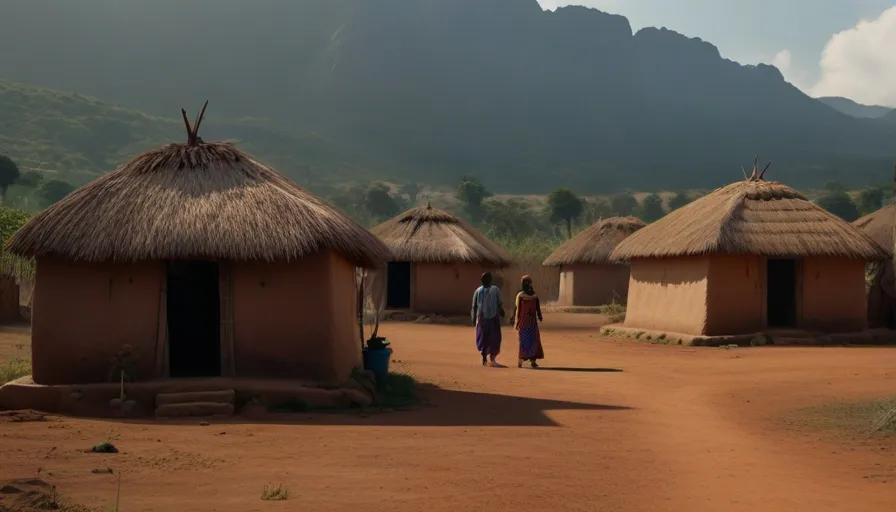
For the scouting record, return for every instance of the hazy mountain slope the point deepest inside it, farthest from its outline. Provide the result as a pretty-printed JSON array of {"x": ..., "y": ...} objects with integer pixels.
[
  {"x": 851, "y": 108},
  {"x": 77, "y": 138},
  {"x": 523, "y": 97}
]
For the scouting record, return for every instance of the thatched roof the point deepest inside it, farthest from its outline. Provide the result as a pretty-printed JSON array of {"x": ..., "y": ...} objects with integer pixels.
[
  {"x": 594, "y": 245},
  {"x": 426, "y": 234},
  {"x": 194, "y": 201},
  {"x": 751, "y": 217},
  {"x": 879, "y": 225}
]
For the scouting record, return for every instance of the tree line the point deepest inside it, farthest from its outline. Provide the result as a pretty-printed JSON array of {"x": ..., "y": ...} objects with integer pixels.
[
  {"x": 33, "y": 183},
  {"x": 562, "y": 214},
  {"x": 564, "y": 211}
]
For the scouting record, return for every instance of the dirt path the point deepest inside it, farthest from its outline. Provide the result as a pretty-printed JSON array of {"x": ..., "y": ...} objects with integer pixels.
[{"x": 677, "y": 429}]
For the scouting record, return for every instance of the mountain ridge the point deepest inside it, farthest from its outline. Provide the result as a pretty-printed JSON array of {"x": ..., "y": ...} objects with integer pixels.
[{"x": 502, "y": 89}]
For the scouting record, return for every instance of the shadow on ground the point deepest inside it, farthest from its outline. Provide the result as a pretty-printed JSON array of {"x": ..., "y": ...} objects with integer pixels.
[
  {"x": 579, "y": 370},
  {"x": 439, "y": 408}
]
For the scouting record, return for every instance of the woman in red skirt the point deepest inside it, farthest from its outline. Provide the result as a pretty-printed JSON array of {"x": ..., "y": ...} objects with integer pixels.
[{"x": 526, "y": 315}]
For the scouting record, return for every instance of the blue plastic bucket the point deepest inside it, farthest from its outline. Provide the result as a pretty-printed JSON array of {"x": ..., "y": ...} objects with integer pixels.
[{"x": 377, "y": 361}]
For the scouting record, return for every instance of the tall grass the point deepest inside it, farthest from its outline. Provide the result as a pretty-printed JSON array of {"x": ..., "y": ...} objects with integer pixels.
[{"x": 13, "y": 369}]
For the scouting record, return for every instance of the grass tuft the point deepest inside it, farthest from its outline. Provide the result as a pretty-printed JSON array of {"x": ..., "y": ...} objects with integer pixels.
[
  {"x": 275, "y": 492},
  {"x": 13, "y": 369},
  {"x": 105, "y": 447},
  {"x": 400, "y": 390}
]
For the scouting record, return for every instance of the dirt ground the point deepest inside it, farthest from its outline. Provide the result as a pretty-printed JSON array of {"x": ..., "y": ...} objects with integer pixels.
[{"x": 606, "y": 425}]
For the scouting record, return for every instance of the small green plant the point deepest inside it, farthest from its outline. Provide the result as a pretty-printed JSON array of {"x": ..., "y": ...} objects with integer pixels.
[
  {"x": 124, "y": 365},
  {"x": 275, "y": 492},
  {"x": 13, "y": 369},
  {"x": 400, "y": 390},
  {"x": 104, "y": 447}
]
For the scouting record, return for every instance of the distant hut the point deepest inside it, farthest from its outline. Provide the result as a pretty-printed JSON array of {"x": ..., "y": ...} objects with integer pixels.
[
  {"x": 205, "y": 262},
  {"x": 587, "y": 276},
  {"x": 749, "y": 256},
  {"x": 437, "y": 261},
  {"x": 879, "y": 225}
]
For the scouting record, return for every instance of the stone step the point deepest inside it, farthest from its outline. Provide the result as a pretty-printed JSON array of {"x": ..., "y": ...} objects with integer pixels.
[
  {"x": 188, "y": 409},
  {"x": 226, "y": 396}
]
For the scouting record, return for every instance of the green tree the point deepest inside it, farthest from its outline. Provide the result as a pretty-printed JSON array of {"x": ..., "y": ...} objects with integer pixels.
[
  {"x": 678, "y": 200},
  {"x": 511, "y": 218},
  {"x": 9, "y": 174},
  {"x": 595, "y": 210},
  {"x": 350, "y": 200},
  {"x": 624, "y": 204},
  {"x": 10, "y": 222},
  {"x": 379, "y": 203},
  {"x": 30, "y": 179},
  {"x": 652, "y": 208},
  {"x": 564, "y": 206},
  {"x": 840, "y": 205},
  {"x": 870, "y": 199},
  {"x": 53, "y": 191},
  {"x": 411, "y": 189},
  {"x": 471, "y": 193}
]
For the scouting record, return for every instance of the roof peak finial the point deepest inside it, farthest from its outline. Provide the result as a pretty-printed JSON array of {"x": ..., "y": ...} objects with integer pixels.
[
  {"x": 756, "y": 174},
  {"x": 193, "y": 130},
  {"x": 428, "y": 205}
]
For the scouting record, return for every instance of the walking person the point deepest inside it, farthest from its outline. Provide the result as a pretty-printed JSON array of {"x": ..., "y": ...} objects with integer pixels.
[
  {"x": 527, "y": 313},
  {"x": 488, "y": 309}
]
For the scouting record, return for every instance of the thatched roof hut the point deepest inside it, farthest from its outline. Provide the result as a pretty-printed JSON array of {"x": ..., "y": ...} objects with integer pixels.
[
  {"x": 428, "y": 235},
  {"x": 751, "y": 217},
  {"x": 587, "y": 276},
  {"x": 180, "y": 201},
  {"x": 437, "y": 260},
  {"x": 594, "y": 244},
  {"x": 879, "y": 225},
  {"x": 203, "y": 260},
  {"x": 749, "y": 256}
]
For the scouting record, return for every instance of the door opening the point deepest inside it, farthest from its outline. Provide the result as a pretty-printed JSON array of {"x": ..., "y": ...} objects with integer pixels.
[
  {"x": 398, "y": 286},
  {"x": 781, "y": 292},
  {"x": 194, "y": 319}
]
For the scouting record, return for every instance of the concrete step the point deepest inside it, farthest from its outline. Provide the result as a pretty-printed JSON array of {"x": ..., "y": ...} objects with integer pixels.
[
  {"x": 225, "y": 396},
  {"x": 183, "y": 410}
]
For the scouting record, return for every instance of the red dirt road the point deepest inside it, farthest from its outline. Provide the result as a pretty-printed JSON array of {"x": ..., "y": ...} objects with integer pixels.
[{"x": 678, "y": 429}]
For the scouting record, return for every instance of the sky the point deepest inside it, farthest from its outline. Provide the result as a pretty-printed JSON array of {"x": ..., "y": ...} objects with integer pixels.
[{"x": 825, "y": 47}]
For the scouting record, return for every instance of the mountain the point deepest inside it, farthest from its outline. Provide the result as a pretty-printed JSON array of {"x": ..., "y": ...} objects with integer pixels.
[
  {"x": 851, "y": 108},
  {"x": 524, "y": 98},
  {"x": 76, "y": 138}
]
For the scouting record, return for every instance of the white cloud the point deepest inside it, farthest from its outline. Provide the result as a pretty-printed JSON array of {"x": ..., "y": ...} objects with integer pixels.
[
  {"x": 782, "y": 60},
  {"x": 859, "y": 63}
]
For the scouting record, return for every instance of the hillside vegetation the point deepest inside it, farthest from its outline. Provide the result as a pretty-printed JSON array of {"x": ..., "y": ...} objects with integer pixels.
[
  {"x": 521, "y": 97},
  {"x": 76, "y": 138}
]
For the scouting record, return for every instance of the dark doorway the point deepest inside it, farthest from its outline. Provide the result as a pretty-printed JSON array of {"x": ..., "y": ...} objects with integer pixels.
[
  {"x": 398, "y": 287},
  {"x": 781, "y": 292},
  {"x": 194, "y": 319}
]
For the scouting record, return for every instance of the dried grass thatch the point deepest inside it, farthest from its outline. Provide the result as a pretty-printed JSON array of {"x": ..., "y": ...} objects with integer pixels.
[
  {"x": 751, "y": 217},
  {"x": 194, "y": 201},
  {"x": 594, "y": 245},
  {"x": 429, "y": 235},
  {"x": 879, "y": 225}
]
